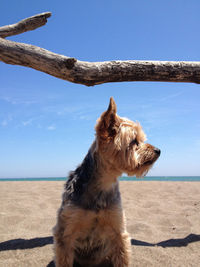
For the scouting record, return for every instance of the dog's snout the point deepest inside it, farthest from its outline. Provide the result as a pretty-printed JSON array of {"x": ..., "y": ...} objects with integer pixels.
[{"x": 157, "y": 151}]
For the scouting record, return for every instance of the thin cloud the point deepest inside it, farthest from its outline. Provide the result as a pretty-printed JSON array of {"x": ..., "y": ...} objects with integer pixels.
[
  {"x": 16, "y": 101},
  {"x": 31, "y": 121},
  {"x": 51, "y": 128},
  {"x": 28, "y": 122},
  {"x": 171, "y": 96},
  {"x": 83, "y": 112},
  {"x": 6, "y": 121}
]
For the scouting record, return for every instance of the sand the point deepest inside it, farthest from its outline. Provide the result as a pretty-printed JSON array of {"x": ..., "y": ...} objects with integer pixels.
[{"x": 163, "y": 219}]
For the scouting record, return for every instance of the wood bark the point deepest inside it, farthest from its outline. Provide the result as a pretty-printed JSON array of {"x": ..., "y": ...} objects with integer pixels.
[
  {"x": 25, "y": 25},
  {"x": 88, "y": 73}
]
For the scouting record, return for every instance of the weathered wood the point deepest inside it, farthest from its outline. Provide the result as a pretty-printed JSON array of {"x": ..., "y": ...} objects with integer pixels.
[
  {"x": 25, "y": 25},
  {"x": 90, "y": 73}
]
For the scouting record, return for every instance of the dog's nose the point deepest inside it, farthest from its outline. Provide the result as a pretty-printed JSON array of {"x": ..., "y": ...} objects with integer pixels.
[{"x": 157, "y": 151}]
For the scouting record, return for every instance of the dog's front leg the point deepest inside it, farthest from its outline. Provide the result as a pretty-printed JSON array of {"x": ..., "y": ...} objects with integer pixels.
[
  {"x": 64, "y": 252},
  {"x": 120, "y": 256}
]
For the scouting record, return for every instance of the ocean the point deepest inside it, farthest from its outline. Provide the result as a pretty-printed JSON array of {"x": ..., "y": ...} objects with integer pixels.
[{"x": 147, "y": 178}]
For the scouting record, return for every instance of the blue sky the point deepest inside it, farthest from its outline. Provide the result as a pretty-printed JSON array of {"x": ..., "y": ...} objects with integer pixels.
[{"x": 47, "y": 125}]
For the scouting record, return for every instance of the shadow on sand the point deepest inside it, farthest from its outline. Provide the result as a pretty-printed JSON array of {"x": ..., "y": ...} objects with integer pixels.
[
  {"x": 26, "y": 243},
  {"x": 43, "y": 241},
  {"x": 179, "y": 242}
]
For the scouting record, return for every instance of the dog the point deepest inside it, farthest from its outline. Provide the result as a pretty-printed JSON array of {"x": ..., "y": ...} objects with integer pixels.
[{"x": 90, "y": 229}]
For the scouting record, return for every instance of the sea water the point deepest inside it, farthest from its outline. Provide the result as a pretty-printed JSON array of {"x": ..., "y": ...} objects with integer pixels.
[{"x": 147, "y": 178}]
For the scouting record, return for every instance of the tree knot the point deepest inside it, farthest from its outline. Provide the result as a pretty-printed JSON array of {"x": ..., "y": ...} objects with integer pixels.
[{"x": 69, "y": 62}]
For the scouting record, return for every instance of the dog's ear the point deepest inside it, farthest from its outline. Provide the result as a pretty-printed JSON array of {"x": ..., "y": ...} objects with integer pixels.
[
  {"x": 112, "y": 108},
  {"x": 108, "y": 123}
]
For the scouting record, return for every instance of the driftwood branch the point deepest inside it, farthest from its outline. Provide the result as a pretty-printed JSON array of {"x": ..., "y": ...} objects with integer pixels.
[
  {"x": 25, "y": 25},
  {"x": 88, "y": 73}
]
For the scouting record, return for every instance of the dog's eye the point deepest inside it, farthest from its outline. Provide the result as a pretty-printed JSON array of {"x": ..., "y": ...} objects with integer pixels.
[{"x": 134, "y": 142}]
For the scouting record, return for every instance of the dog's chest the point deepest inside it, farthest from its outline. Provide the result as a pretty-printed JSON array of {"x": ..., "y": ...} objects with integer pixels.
[
  {"x": 99, "y": 230},
  {"x": 95, "y": 234}
]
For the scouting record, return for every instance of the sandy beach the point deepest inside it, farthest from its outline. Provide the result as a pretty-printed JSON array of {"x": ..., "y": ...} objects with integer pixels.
[{"x": 163, "y": 219}]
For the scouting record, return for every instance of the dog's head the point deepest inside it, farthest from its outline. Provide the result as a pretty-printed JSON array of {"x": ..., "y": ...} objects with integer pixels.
[{"x": 120, "y": 142}]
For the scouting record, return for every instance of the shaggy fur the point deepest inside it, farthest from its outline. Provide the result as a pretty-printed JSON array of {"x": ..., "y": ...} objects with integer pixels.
[{"x": 90, "y": 229}]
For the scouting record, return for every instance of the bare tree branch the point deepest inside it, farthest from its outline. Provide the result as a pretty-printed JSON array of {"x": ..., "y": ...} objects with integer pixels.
[
  {"x": 89, "y": 73},
  {"x": 25, "y": 25}
]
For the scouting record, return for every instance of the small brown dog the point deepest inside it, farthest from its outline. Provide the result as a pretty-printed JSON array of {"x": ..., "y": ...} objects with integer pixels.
[{"x": 90, "y": 229}]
